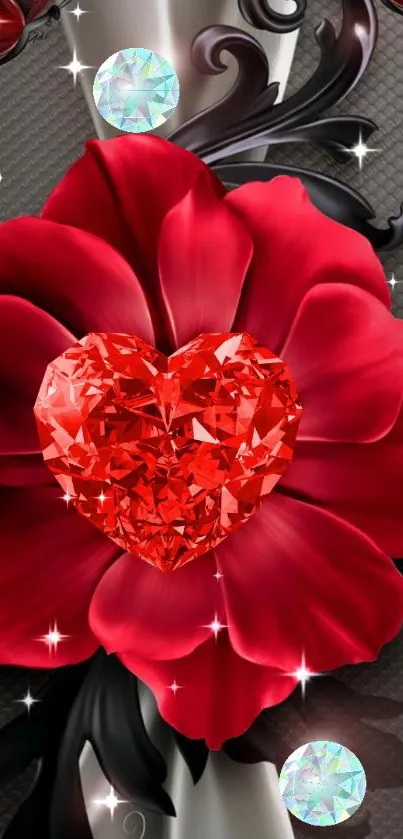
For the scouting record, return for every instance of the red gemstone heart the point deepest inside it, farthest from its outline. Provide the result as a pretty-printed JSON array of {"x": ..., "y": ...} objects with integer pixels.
[{"x": 167, "y": 456}]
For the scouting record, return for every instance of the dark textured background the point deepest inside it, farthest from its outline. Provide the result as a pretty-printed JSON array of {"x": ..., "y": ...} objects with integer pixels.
[{"x": 44, "y": 125}]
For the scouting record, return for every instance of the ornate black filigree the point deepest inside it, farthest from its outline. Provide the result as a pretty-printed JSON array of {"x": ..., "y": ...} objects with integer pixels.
[
  {"x": 233, "y": 125},
  {"x": 96, "y": 702},
  {"x": 30, "y": 28},
  {"x": 259, "y": 14},
  {"x": 394, "y": 5}
]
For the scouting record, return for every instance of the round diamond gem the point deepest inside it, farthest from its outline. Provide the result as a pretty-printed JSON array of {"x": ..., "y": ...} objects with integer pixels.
[
  {"x": 136, "y": 90},
  {"x": 322, "y": 783}
]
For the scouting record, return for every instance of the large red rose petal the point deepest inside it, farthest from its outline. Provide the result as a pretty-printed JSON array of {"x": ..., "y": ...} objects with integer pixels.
[
  {"x": 220, "y": 694},
  {"x": 299, "y": 581},
  {"x": 29, "y": 340},
  {"x": 204, "y": 254},
  {"x": 51, "y": 563},
  {"x": 362, "y": 484},
  {"x": 75, "y": 276},
  {"x": 122, "y": 190},
  {"x": 152, "y": 614},
  {"x": 345, "y": 353},
  {"x": 295, "y": 248}
]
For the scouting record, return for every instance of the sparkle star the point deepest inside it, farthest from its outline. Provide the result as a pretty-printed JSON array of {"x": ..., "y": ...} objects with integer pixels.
[
  {"x": 360, "y": 150},
  {"x": 303, "y": 674},
  {"x": 393, "y": 281},
  {"x": 174, "y": 687},
  {"x": 75, "y": 67},
  {"x": 53, "y": 638},
  {"x": 215, "y": 626},
  {"x": 111, "y": 801},
  {"x": 28, "y": 700},
  {"x": 66, "y": 497},
  {"x": 77, "y": 12},
  {"x": 218, "y": 576}
]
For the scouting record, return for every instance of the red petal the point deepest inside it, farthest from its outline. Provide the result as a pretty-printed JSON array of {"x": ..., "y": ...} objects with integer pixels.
[
  {"x": 152, "y": 613},
  {"x": 220, "y": 694},
  {"x": 11, "y": 26},
  {"x": 204, "y": 254},
  {"x": 76, "y": 277},
  {"x": 362, "y": 484},
  {"x": 24, "y": 470},
  {"x": 295, "y": 248},
  {"x": 51, "y": 560},
  {"x": 345, "y": 352},
  {"x": 298, "y": 580},
  {"x": 121, "y": 190},
  {"x": 29, "y": 340}
]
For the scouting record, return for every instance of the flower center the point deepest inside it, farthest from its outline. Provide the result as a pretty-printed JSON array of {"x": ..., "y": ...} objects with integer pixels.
[{"x": 167, "y": 456}]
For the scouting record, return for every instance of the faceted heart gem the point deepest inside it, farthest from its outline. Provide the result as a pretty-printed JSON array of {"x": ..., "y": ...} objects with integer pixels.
[{"x": 167, "y": 456}]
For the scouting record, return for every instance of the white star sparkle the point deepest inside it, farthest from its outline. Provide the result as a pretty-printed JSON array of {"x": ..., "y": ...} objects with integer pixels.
[
  {"x": 53, "y": 638},
  {"x": 75, "y": 67},
  {"x": 303, "y": 674},
  {"x": 393, "y": 281},
  {"x": 111, "y": 801},
  {"x": 174, "y": 687},
  {"x": 215, "y": 626},
  {"x": 102, "y": 497},
  {"x": 218, "y": 576},
  {"x": 28, "y": 700},
  {"x": 66, "y": 497},
  {"x": 77, "y": 12},
  {"x": 360, "y": 150}
]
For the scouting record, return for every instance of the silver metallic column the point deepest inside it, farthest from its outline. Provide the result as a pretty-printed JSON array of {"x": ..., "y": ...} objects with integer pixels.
[
  {"x": 168, "y": 27},
  {"x": 231, "y": 801}
]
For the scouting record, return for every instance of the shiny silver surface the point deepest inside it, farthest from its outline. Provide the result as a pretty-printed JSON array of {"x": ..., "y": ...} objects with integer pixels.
[
  {"x": 168, "y": 27},
  {"x": 231, "y": 801}
]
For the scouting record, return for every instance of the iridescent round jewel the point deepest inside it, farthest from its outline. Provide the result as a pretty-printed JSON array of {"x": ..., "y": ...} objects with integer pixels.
[
  {"x": 322, "y": 783},
  {"x": 136, "y": 90}
]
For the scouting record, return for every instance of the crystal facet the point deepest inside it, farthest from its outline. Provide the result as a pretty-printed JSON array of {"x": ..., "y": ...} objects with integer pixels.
[
  {"x": 322, "y": 783},
  {"x": 136, "y": 90},
  {"x": 167, "y": 456}
]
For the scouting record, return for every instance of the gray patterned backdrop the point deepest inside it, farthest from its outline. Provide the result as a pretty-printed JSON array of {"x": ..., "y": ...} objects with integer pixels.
[{"x": 44, "y": 124}]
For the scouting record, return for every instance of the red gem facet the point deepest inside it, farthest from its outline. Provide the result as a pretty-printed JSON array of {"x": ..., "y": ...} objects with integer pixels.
[{"x": 167, "y": 456}]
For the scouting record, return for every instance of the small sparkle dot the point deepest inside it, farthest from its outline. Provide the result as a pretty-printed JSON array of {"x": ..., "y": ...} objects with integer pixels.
[
  {"x": 75, "y": 67},
  {"x": 28, "y": 700},
  {"x": 111, "y": 801},
  {"x": 303, "y": 674},
  {"x": 53, "y": 638},
  {"x": 78, "y": 12},
  {"x": 215, "y": 626},
  {"x": 218, "y": 576},
  {"x": 174, "y": 687},
  {"x": 360, "y": 150},
  {"x": 393, "y": 281}
]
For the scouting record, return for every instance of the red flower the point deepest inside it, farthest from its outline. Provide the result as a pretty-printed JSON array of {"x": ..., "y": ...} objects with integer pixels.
[
  {"x": 13, "y": 17},
  {"x": 141, "y": 238}
]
